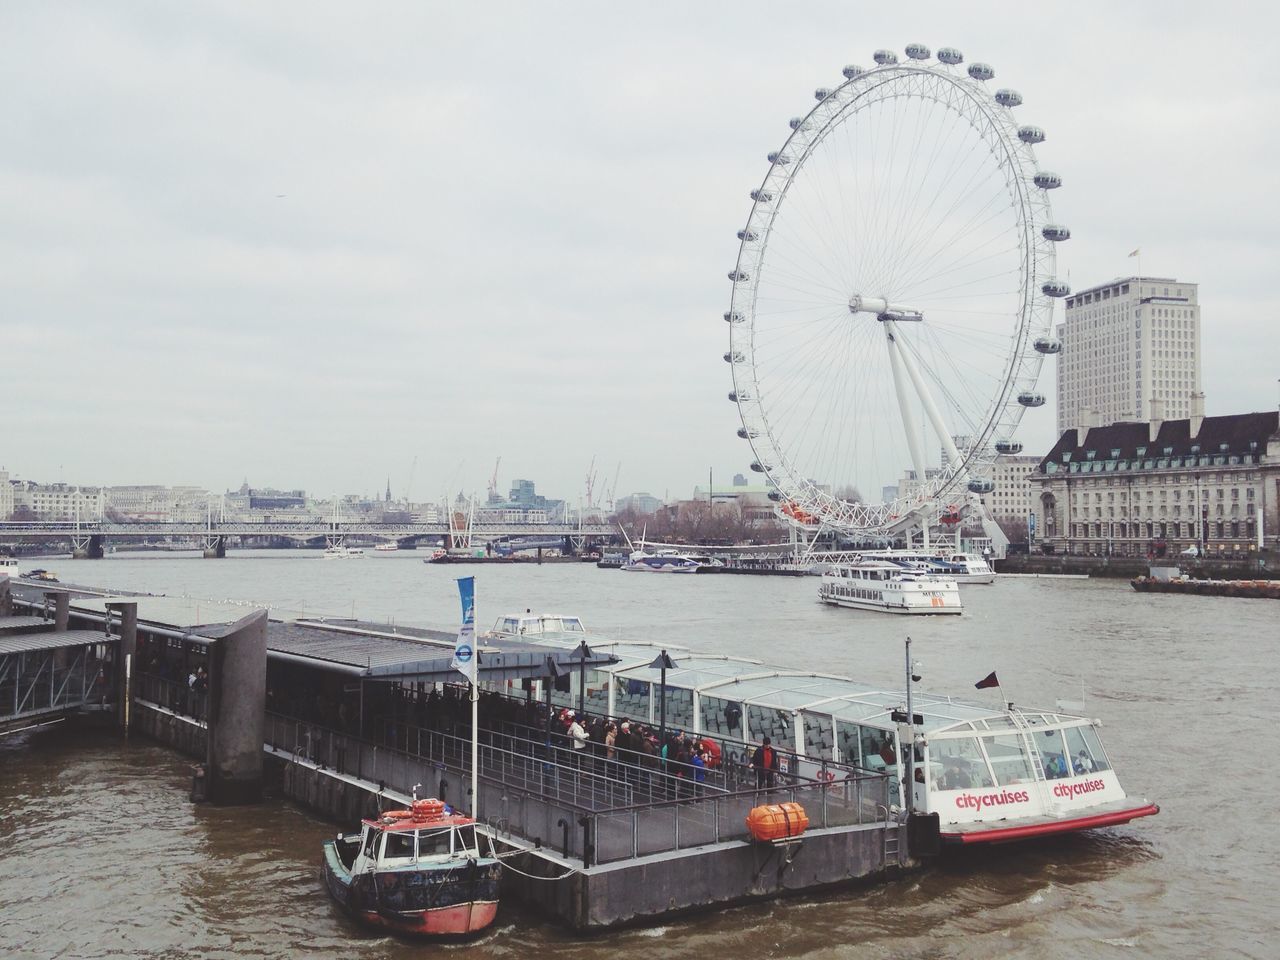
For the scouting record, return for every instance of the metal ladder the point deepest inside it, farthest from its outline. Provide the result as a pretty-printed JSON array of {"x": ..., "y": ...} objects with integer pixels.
[{"x": 892, "y": 837}]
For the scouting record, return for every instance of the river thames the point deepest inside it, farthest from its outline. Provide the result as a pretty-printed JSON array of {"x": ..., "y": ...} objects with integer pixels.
[{"x": 102, "y": 855}]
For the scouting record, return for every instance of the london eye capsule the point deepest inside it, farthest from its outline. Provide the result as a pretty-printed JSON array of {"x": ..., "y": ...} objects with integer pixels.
[
  {"x": 795, "y": 123},
  {"x": 1047, "y": 181},
  {"x": 1008, "y": 447},
  {"x": 733, "y": 316},
  {"x": 1030, "y": 134},
  {"x": 745, "y": 434},
  {"x": 736, "y": 395},
  {"x": 1055, "y": 232},
  {"x": 981, "y": 485},
  {"x": 917, "y": 51},
  {"x": 1029, "y": 398},
  {"x": 737, "y": 276},
  {"x": 852, "y": 70},
  {"x": 1008, "y": 98},
  {"x": 734, "y": 356},
  {"x": 1047, "y": 345},
  {"x": 1055, "y": 288},
  {"x": 821, "y": 93},
  {"x": 981, "y": 71},
  {"x": 781, "y": 159},
  {"x": 759, "y": 467},
  {"x": 747, "y": 235},
  {"x": 761, "y": 196},
  {"x": 885, "y": 57},
  {"x": 950, "y": 56}
]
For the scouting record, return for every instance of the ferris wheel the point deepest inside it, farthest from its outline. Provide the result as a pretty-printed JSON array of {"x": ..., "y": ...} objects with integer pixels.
[{"x": 893, "y": 295}]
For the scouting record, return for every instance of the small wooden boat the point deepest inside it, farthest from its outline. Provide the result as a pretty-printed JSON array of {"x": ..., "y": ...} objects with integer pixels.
[{"x": 417, "y": 871}]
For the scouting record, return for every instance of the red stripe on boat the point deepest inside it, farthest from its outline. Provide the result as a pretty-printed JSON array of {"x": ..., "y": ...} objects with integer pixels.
[{"x": 1046, "y": 829}]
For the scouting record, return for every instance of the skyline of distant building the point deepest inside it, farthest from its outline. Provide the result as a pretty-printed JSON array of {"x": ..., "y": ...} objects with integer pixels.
[{"x": 1126, "y": 343}]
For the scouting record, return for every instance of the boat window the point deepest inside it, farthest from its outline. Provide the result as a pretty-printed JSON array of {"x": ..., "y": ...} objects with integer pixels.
[
  {"x": 720, "y": 717},
  {"x": 573, "y": 625},
  {"x": 770, "y": 722},
  {"x": 370, "y": 842},
  {"x": 1052, "y": 758},
  {"x": 1086, "y": 739},
  {"x": 433, "y": 843},
  {"x": 818, "y": 736},
  {"x": 631, "y": 697},
  {"x": 464, "y": 841},
  {"x": 963, "y": 765},
  {"x": 1008, "y": 762},
  {"x": 398, "y": 846}
]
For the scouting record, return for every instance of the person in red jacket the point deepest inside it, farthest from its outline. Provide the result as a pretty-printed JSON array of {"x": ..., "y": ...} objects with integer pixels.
[{"x": 765, "y": 762}]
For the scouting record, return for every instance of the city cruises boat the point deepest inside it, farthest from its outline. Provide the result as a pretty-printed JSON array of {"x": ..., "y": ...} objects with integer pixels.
[
  {"x": 885, "y": 586},
  {"x": 343, "y": 553},
  {"x": 9, "y": 567},
  {"x": 993, "y": 772},
  {"x": 961, "y": 567},
  {"x": 415, "y": 871},
  {"x": 389, "y": 547}
]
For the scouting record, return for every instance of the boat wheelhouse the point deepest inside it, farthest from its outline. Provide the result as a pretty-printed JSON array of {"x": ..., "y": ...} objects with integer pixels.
[
  {"x": 9, "y": 567},
  {"x": 889, "y": 587},
  {"x": 416, "y": 871},
  {"x": 992, "y": 772}
]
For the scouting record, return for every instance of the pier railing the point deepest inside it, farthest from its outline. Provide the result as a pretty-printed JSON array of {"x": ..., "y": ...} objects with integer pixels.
[
  {"x": 589, "y": 808},
  {"x": 646, "y": 829}
]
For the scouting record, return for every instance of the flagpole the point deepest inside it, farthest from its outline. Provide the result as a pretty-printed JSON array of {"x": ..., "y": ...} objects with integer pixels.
[{"x": 475, "y": 752}]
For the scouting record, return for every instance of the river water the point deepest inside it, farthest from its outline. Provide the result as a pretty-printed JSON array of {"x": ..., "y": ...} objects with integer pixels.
[{"x": 101, "y": 855}]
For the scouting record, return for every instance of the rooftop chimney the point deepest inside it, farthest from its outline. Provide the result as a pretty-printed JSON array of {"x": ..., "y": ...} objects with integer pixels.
[
  {"x": 1197, "y": 413},
  {"x": 1088, "y": 420},
  {"x": 1157, "y": 418}
]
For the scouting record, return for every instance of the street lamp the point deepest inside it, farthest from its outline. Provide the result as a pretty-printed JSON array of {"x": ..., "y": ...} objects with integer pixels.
[
  {"x": 550, "y": 672},
  {"x": 582, "y": 653},
  {"x": 664, "y": 663}
]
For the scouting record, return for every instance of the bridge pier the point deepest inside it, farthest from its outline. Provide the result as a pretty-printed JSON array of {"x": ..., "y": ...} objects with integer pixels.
[
  {"x": 87, "y": 548},
  {"x": 215, "y": 548}
]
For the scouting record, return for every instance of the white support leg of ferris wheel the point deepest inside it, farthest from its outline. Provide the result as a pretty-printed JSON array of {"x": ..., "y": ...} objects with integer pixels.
[
  {"x": 926, "y": 398},
  {"x": 900, "y": 388}
]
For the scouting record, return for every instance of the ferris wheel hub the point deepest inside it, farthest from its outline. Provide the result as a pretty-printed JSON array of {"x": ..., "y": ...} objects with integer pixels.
[{"x": 882, "y": 308}]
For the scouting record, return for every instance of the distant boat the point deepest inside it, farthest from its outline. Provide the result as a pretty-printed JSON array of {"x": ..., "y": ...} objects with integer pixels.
[
  {"x": 343, "y": 553},
  {"x": 389, "y": 547}
]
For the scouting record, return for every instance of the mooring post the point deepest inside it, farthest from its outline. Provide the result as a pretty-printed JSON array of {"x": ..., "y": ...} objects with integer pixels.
[
  {"x": 61, "y": 608},
  {"x": 126, "y": 655}
]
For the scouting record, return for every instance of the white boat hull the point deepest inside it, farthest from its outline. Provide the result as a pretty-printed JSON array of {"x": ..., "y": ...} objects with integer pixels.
[{"x": 884, "y": 606}]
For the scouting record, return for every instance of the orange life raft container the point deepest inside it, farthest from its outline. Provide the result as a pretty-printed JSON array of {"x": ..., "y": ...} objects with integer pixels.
[{"x": 777, "y": 821}]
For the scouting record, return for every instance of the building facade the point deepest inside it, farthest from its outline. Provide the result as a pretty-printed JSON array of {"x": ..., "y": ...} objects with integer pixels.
[
  {"x": 6, "y": 496},
  {"x": 1010, "y": 502},
  {"x": 59, "y": 501},
  {"x": 1162, "y": 487},
  {"x": 1125, "y": 343}
]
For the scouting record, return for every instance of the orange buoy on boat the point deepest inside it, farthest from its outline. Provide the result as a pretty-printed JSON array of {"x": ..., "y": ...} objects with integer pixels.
[{"x": 777, "y": 821}]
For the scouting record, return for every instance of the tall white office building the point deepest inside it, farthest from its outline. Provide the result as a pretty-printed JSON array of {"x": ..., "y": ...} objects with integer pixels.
[{"x": 1125, "y": 343}]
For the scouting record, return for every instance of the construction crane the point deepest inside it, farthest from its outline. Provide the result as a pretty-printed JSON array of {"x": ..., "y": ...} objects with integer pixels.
[
  {"x": 493, "y": 480},
  {"x": 590, "y": 485},
  {"x": 612, "y": 491}
]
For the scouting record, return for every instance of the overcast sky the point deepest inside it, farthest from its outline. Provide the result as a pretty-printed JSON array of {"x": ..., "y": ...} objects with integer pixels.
[{"x": 307, "y": 243}]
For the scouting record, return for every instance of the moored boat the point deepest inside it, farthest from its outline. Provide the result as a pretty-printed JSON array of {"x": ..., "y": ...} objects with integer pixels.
[
  {"x": 887, "y": 587},
  {"x": 415, "y": 871}
]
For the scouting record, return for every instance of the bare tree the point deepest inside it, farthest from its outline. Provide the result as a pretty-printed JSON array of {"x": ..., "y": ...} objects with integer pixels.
[{"x": 849, "y": 493}]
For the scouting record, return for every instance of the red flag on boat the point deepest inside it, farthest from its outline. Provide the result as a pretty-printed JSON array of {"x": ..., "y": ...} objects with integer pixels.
[{"x": 988, "y": 681}]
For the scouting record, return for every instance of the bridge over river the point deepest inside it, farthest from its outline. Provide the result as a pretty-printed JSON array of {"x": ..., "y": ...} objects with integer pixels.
[{"x": 88, "y": 537}]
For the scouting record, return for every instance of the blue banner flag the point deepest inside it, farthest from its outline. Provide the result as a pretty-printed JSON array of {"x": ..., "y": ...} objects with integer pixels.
[{"x": 464, "y": 651}]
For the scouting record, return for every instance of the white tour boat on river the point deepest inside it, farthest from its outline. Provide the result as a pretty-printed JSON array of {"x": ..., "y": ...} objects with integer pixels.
[
  {"x": 886, "y": 586},
  {"x": 992, "y": 772}
]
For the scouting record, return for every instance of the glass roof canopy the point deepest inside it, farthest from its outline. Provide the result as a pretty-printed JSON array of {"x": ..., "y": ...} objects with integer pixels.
[{"x": 751, "y": 682}]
